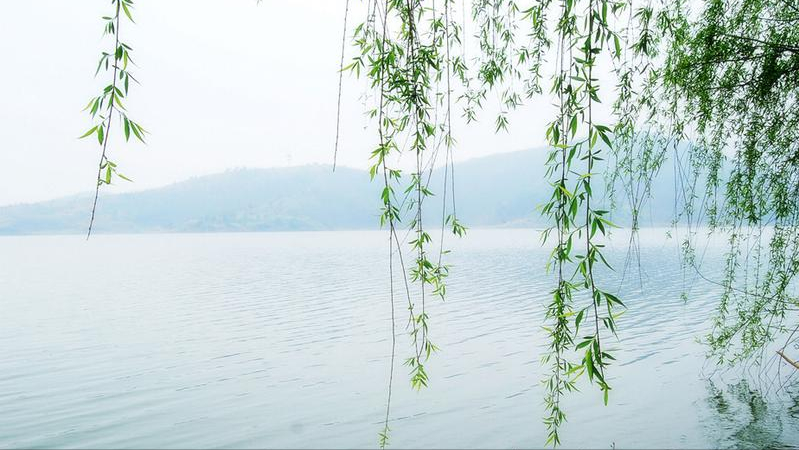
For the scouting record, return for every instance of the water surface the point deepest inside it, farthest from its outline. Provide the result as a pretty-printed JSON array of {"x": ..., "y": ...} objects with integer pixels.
[{"x": 283, "y": 340}]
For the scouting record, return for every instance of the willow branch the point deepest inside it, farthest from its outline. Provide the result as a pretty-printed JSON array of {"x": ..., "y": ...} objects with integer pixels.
[
  {"x": 108, "y": 119},
  {"x": 789, "y": 360}
]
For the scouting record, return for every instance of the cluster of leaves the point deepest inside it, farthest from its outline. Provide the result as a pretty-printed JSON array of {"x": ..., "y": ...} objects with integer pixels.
[
  {"x": 104, "y": 106},
  {"x": 678, "y": 82},
  {"x": 735, "y": 72},
  {"x": 404, "y": 50},
  {"x": 402, "y": 68},
  {"x": 496, "y": 36},
  {"x": 640, "y": 143},
  {"x": 719, "y": 90},
  {"x": 584, "y": 34}
]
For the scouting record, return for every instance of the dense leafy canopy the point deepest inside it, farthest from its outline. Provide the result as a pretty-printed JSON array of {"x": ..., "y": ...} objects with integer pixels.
[{"x": 735, "y": 73}]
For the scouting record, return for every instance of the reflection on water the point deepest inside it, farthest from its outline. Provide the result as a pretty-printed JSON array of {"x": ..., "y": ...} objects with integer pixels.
[
  {"x": 282, "y": 340},
  {"x": 749, "y": 420}
]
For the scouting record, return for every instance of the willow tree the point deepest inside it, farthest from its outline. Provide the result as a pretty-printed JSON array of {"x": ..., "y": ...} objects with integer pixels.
[
  {"x": 735, "y": 73},
  {"x": 715, "y": 86},
  {"x": 412, "y": 53}
]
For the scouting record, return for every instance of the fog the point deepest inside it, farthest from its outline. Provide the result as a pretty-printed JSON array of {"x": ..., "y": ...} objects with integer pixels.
[{"x": 224, "y": 84}]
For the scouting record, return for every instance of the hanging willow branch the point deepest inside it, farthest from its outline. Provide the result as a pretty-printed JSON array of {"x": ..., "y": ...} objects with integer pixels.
[
  {"x": 109, "y": 101},
  {"x": 340, "y": 80},
  {"x": 404, "y": 50}
]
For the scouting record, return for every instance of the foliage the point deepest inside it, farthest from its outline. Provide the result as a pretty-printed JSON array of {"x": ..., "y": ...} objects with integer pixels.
[
  {"x": 716, "y": 87},
  {"x": 735, "y": 71},
  {"x": 679, "y": 80},
  {"x": 102, "y": 107},
  {"x": 404, "y": 50},
  {"x": 403, "y": 62},
  {"x": 583, "y": 36}
]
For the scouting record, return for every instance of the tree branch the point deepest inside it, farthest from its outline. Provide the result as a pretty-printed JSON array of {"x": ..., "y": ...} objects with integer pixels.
[{"x": 789, "y": 360}]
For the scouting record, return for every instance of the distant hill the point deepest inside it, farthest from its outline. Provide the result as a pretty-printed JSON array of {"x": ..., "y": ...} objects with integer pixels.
[{"x": 498, "y": 190}]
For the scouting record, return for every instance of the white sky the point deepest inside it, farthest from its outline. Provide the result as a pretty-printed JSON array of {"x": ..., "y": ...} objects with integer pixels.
[{"x": 225, "y": 84}]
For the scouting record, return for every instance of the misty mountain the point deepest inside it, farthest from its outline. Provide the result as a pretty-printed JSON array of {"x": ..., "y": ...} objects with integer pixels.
[{"x": 497, "y": 190}]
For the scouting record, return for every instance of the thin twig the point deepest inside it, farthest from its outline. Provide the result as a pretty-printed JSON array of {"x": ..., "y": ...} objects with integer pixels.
[
  {"x": 108, "y": 124},
  {"x": 340, "y": 80}
]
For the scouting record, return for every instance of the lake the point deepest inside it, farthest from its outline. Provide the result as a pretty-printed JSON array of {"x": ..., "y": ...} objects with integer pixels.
[{"x": 283, "y": 340}]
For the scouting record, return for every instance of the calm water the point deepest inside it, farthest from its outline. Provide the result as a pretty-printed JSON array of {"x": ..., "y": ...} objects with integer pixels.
[{"x": 282, "y": 340}]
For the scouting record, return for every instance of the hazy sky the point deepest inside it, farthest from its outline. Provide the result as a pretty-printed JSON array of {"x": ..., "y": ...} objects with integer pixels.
[{"x": 225, "y": 84}]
